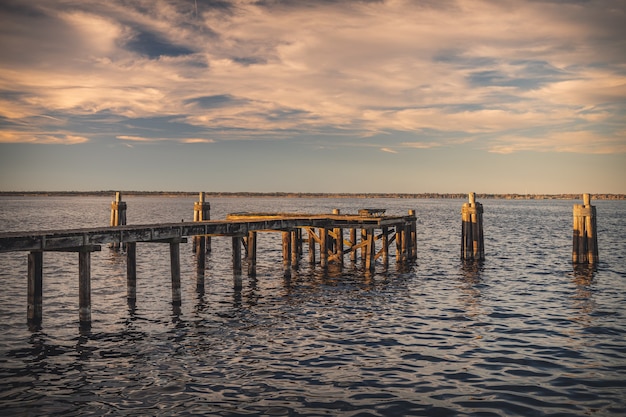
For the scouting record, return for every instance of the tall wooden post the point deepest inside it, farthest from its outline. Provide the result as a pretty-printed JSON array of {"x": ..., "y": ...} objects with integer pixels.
[
  {"x": 323, "y": 247},
  {"x": 131, "y": 271},
  {"x": 295, "y": 248},
  {"x": 118, "y": 215},
  {"x": 201, "y": 212},
  {"x": 311, "y": 246},
  {"x": 353, "y": 243},
  {"x": 238, "y": 284},
  {"x": 413, "y": 254},
  {"x": 175, "y": 267},
  {"x": 338, "y": 241},
  {"x": 585, "y": 241},
  {"x": 252, "y": 253},
  {"x": 399, "y": 237},
  {"x": 286, "y": 248},
  {"x": 472, "y": 240},
  {"x": 385, "y": 246},
  {"x": 370, "y": 254},
  {"x": 35, "y": 287},
  {"x": 84, "y": 286}
]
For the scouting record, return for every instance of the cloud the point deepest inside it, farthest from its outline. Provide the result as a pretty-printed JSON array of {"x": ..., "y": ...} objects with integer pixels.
[
  {"x": 282, "y": 69},
  {"x": 42, "y": 138},
  {"x": 576, "y": 142},
  {"x": 388, "y": 150},
  {"x": 143, "y": 139}
]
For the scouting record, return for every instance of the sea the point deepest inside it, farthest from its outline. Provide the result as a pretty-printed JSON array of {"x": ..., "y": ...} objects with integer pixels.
[{"x": 524, "y": 333}]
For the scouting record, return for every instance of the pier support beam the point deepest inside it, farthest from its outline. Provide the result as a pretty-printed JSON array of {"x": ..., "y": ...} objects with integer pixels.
[
  {"x": 35, "y": 288},
  {"x": 472, "y": 241},
  {"x": 353, "y": 243},
  {"x": 323, "y": 247},
  {"x": 585, "y": 241},
  {"x": 385, "y": 246},
  {"x": 413, "y": 235},
  {"x": 252, "y": 253},
  {"x": 311, "y": 239},
  {"x": 370, "y": 250},
  {"x": 238, "y": 283},
  {"x": 131, "y": 271},
  {"x": 175, "y": 267}
]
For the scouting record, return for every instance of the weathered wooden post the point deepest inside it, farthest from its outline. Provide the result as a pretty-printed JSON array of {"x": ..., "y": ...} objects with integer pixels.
[
  {"x": 131, "y": 272},
  {"x": 175, "y": 267},
  {"x": 385, "y": 246},
  {"x": 585, "y": 241},
  {"x": 236, "y": 245},
  {"x": 338, "y": 247},
  {"x": 84, "y": 283},
  {"x": 370, "y": 254},
  {"x": 311, "y": 232},
  {"x": 472, "y": 240},
  {"x": 252, "y": 253},
  {"x": 118, "y": 215},
  {"x": 413, "y": 254},
  {"x": 295, "y": 248},
  {"x": 35, "y": 288},
  {"x": 201, "y": 212},
  {"x": 353, "y": 243},
  {"x": 286, "y": 249},
  {"x": 323, "y": 247}
]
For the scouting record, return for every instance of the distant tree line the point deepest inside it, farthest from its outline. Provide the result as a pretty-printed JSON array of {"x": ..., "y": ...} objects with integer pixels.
[{"x": 210, "y": 194}]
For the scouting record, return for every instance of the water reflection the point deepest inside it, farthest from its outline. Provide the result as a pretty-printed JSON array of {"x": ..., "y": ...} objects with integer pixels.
[{"x": 583, "y": 301}]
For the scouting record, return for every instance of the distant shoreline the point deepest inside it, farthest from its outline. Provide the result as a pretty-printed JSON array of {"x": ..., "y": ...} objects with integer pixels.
[{"x": 213, "y": 194}]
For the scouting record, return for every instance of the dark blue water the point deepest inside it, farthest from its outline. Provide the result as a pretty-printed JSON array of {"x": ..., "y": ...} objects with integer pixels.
[{"x": 525, "y": 333}]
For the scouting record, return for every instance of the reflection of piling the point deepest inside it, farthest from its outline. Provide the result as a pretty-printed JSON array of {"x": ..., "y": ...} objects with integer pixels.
[
  {"x": 585, "y": 242},
  {"x": 472, "y": 241},
  {"x": 118, "y": 214}
]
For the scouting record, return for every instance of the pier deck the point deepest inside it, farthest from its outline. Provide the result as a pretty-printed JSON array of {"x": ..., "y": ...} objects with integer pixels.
[{"x": 323, "y": 231}]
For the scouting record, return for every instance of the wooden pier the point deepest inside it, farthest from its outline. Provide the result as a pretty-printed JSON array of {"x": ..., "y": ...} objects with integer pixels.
[{"x": 329, "y": 238}]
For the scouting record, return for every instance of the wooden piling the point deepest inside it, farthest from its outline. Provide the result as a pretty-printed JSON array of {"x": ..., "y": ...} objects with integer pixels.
[
  {"x": 385, "y": 246},
  {"x": 286, "y": 248},
  {"x": 131, "y": 271},
  {"x": 118, "y": 215},
  {"x": 201, "y": 212},
  {"x": 472, "y": 240},
  {"x": 295, "y": 247},
  {"x": 236, "y": 245},
  {"x": 175, "y": 268},
  {"x": 252, "y": 253},
  {"x": 323, "y": 247},
  {"x": 338, "y": 246},
  {"x": 370, "y": 252},
  {"x": 84, "y": 286},
  {"x": 35, "y": 287},
  {"x": 585, "y": 239},
  {"x": 236, "y": 241},
  {"x": 413, "y": 233},
  {"x": 353, "y": 243},
  {"x": 311, "y": 240}
]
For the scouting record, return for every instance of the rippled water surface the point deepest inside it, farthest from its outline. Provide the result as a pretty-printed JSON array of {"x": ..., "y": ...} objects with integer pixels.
[{"x": 524, "y": 333}]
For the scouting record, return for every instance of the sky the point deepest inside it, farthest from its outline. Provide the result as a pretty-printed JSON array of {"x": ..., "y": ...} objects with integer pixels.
[{"x": 337, "y": 96}]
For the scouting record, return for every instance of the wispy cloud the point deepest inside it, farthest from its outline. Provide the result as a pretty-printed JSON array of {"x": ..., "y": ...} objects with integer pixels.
[
  {"x": 246, "y": 70},
  {"x": 144, "y": 139},
  {"x": 388, "y": 150},
  {"x": 41, "y": 138}
]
